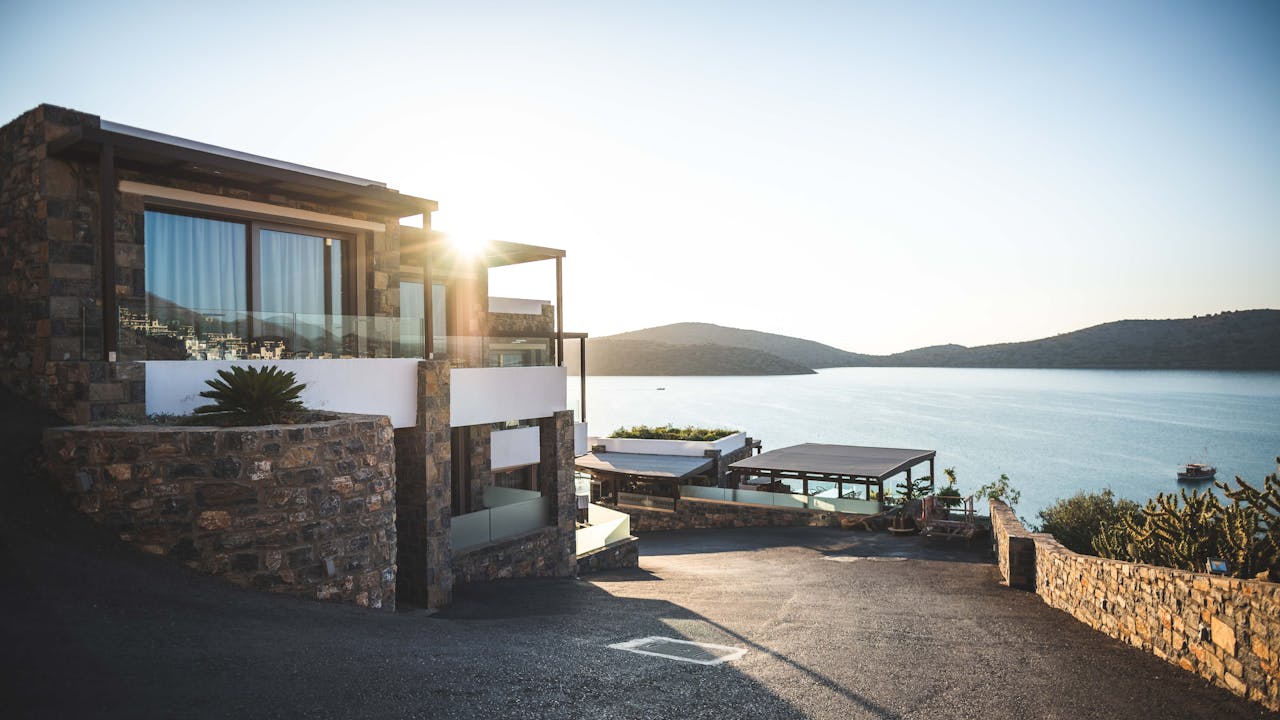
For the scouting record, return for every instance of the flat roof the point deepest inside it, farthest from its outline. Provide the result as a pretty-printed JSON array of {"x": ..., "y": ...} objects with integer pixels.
[
  {"x": 848, "y": 460},
  {"x": 653, "y": 467},
  {"x": 168, "y": 155}
]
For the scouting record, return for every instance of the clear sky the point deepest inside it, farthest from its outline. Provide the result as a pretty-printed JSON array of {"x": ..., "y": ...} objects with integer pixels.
[{"x": 876, "y": 176}]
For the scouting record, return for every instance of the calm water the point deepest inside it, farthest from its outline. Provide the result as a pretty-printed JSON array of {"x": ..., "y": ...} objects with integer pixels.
[{"x": 1053, "y": 431}]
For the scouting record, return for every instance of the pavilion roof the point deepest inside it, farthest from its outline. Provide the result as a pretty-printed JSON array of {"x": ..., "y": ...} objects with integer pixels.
[{"x": 817, "y": 459}]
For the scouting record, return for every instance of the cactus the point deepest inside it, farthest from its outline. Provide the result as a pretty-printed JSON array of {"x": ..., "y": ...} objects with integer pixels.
[
  {"x": 1178, "y": 534},
  {"x": 1116, "y": 541},
  {"x": 1183, "y": 531},
  {"x": 1265, "y": 504}
]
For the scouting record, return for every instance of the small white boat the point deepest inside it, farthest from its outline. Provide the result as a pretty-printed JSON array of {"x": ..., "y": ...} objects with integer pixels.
[{"x": 1197, "y": 471}]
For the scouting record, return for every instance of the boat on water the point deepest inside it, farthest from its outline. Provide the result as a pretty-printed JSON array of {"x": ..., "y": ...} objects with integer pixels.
[{"x": 1197, "y": 471}]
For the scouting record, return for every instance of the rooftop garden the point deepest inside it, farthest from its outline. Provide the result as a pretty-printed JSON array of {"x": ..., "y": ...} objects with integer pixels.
[{"x": 671, "y": 432}]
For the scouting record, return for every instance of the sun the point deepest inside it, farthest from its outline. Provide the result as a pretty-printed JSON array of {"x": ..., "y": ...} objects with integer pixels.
[{"x": 468, "y": 246}]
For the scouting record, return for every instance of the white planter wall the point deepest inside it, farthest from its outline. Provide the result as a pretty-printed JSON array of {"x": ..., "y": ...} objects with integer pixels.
[
  {"x": 696, "y": 448},
  {"x": 372, "y": 386}
]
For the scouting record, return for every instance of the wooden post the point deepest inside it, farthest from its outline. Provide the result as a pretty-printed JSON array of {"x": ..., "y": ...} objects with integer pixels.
[{"x": 933, "y": 480}]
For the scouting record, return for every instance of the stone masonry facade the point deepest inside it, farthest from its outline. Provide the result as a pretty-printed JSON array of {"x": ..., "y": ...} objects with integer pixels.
[
  {"x": 51, "y": 302},
  {"x": 622, "y": 554},
  {"x": 423, "y": 470},
  {"x": 304, "y": 509},
  {"x": 1224, "y": 629},
  {"x": 529, "y": 555}
]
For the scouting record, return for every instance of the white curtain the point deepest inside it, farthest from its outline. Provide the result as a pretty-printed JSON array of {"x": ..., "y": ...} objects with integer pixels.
[{"x": 195, "y": 264}]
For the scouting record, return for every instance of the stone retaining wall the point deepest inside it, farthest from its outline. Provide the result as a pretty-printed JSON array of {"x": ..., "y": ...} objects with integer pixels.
[
  {"x": 534, "y": 554},
  {"x": 1015, "y": 548},
  {"x": 299, "y": 509},
  {"x": 699, "y": 514},
  {"x": 624, "y": 553},
  {"x": 1223, "y": 629}
]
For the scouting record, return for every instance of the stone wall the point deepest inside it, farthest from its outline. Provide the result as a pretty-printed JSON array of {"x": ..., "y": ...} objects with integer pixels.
[
  {"x": 699, "y": 514},
  {"x": 1015, "y": 548},
  {"x": 517, "y": 325},
  {"x": 1223, "y": 629},
  {"x": 91, "y": 390},
  {"x": 624, "y": 553},
  {"x": 555, "y": 480},
  {"x": 423, "y": 486},
  {"x": 50, "y": 298},
  {"x": 534, "y": 554},
  {"x": 298, "y": 509}
]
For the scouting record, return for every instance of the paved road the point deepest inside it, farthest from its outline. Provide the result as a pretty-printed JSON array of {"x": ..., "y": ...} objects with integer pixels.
[{"x": 835, "y": 624}]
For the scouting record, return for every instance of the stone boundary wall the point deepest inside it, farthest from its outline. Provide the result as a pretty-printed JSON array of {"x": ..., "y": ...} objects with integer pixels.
[
  {"x": 298, "y": 509},
  {"x": 533, "y": 554},
  {"x": 1224, "y": 629},
  {"x": 706, "y": 514},
  {"x": 1015, "y": 548},
  {"x": 624, "y": 553}
]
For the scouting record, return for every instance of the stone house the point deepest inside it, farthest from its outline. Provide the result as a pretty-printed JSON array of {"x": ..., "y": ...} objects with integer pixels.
[{"x": 134, "y": 264}]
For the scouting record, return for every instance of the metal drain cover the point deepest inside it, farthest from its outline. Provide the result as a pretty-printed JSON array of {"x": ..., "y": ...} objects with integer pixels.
[
  {"x": 850, "y": 558},
  {"x": 682, "y": 650}
]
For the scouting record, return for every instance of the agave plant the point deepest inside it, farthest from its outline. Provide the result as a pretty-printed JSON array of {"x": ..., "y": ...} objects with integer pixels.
[{"x": 253, "y": 396}]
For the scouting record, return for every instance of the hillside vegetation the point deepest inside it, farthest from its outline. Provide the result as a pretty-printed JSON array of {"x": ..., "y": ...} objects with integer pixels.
[
  {"x": 1243, "y": 340},
  {"x": 616, "y": 356}
]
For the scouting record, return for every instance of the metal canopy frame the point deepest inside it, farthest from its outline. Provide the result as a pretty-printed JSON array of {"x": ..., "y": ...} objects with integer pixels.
[
  {"x": 764, "y": 466},
  {"x": 611, "y": 479}
]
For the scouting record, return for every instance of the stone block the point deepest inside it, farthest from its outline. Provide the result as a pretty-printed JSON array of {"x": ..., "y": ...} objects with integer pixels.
[{"x": 1223, "y": 636}]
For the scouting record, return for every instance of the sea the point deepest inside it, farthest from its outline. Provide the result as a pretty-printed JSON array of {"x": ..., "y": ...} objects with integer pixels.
[{"x": 1053, "y": 432}]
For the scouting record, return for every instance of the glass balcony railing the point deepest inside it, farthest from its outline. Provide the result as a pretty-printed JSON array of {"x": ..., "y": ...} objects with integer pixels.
[
  {"x": 194, "y": 334},
  {"x": 508, "y": 512}
]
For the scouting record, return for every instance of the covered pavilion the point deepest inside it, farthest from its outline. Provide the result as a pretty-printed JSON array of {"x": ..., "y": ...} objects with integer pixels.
[
  {"x": 839, "y": 464},
  {"x": 664, "y": 472}
]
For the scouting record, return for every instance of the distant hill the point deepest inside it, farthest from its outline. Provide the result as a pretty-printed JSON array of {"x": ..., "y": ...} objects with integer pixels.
[
  {"x": 618, "y": 355},
  {"x": 1243, "y": 340},
  {"x": 808, "y": 353}
]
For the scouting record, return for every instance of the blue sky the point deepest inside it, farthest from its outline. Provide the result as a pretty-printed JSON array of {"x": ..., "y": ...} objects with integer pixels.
[{"x": 877, "y": 176}]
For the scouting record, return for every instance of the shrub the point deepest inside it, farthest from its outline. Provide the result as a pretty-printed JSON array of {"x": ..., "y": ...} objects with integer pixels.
[
  {"x": 1077, "y": 520},
  {"x": 253, "y": 395},
  {"x": 671, "y": 432},
  {"x": 1001, "y": 489}
]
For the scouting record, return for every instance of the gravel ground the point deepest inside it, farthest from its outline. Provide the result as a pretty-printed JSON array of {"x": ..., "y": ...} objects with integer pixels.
[{"x": 835, "y": 624}]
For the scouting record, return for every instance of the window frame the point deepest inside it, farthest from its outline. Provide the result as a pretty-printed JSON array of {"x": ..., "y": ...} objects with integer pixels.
[{"x": 254, "y": 225}]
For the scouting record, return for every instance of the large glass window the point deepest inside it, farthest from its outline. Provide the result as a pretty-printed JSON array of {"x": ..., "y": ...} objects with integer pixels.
[
  {"x": 195, "y": 265},
  {"x": 219, "y": 289},
  {"x": 413, "y": 319}
]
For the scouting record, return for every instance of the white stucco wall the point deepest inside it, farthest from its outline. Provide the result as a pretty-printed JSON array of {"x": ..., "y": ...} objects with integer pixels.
[
  {"x": 486, "y": 395},
  {"x": 374, "y": 386},
  {"x": 514, "y": 448}
]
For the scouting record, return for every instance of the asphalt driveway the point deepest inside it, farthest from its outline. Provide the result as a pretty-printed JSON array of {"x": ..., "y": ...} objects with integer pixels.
[{"x": 835, "y": 624}]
